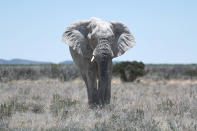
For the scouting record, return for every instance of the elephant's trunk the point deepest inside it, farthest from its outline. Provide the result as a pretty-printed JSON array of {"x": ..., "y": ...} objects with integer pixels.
[
  {"x": 103, "y": 56},
  {"x": 104, "y": 76}
]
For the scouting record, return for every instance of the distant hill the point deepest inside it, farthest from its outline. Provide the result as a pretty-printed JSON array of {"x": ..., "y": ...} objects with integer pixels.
[
  {"x": 22, "y": 61},
  {"x": 30, "y": 62},
  {"x": 67, "y": 62}
]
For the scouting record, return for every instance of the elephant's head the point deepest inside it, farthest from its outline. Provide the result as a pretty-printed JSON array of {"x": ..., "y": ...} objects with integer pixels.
[
  {"x": 99, "y": 41},
  {"x": 96, "y": 37}
]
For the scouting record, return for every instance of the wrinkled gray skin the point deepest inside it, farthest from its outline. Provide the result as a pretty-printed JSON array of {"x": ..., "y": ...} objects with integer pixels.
[{"x": 93, "y": 44}]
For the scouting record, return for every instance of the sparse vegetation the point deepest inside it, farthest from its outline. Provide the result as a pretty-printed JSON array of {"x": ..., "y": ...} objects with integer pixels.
[
  {"x": 49, "y": 104},
  {"x": 158, "y": 101},
  {"x": 58, "y": 104},
  {"x": 35, "y": 72},
  {"x": 167, "y": 72},
  {"x": 127, "y": 71}
]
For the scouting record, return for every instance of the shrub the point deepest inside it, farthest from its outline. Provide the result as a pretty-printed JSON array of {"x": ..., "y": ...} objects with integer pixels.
[
  {"x": 37, "y": 108},
  {"x": 5, "y": 110},
  {"x": 129, "y": 71},
  {"x": 55, "y": 70},
  {"x": 191, "y": 73},
  {"x": 10, "y": 107},
  {"x": 62, "y": 72},
  {"x": 58, "y": 104}
]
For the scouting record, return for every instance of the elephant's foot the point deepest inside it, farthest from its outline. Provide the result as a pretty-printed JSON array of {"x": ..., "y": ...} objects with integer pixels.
[
  {"x": 107, "y": 96},
  {"x": 107, "y": 101},
  {"x": 93, "y": 101},
  {"x": 98, "y": 103},
  {"x": 103, "y": 101},
  {"x": 104, "y": 96}
]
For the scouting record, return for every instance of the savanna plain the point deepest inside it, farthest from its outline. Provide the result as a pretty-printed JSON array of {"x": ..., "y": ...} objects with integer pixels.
[{"x": 163, "y": 100}]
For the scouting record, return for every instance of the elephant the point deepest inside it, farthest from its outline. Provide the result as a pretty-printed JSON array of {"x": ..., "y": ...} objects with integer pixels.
[{"x": 93, "y": 44}]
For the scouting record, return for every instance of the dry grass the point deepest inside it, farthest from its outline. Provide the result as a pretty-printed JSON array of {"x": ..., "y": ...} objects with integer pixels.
[{"x": 48, "y": 104}]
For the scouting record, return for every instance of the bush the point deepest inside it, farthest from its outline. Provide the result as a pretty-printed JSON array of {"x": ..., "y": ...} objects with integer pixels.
[
  {"x": 10, "y": 107},
  {"x": 129, "y": 71},
  {"x": 5, "y": 110},
  {"x": 191, "y": 73},
  {"x": 62, "y": 72},
  {"x": 37, "y": 108},
  {"x": 58, "y": 104}
]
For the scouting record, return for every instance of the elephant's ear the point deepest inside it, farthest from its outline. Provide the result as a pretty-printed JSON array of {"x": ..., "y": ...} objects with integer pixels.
[
  {"x": 75, "y": 36},
  {"x": 123, "y": 39}
]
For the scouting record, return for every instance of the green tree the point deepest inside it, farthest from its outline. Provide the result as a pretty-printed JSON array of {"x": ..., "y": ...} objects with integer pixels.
[
  {"x": 129, "y": 71},
  {"x": 191, "y": 72}
]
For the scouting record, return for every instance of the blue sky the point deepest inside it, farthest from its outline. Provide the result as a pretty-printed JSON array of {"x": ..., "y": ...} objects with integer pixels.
[{"x": 165, "y": 30}]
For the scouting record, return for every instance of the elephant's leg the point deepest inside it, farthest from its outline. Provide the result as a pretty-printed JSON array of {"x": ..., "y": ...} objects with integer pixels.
[
  {"x": 92, "y": 86},
  {"x": 107, "y": 95},
  {"x": 88, "y": 72},
  {"x": 86, "y": 83},
  {"x": 83, "y": 65}
]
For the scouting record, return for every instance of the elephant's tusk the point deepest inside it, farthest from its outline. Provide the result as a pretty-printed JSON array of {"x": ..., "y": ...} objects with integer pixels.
[{"x": 92, "y": 59}]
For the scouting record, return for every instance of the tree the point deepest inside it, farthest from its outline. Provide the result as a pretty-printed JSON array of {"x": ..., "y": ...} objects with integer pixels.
[
  {"x": 129, "y": 71},
  {"x": 191, "y": 72}
]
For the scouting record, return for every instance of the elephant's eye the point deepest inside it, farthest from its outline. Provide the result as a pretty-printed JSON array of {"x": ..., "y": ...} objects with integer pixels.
[{"x": 112, "y": 38}]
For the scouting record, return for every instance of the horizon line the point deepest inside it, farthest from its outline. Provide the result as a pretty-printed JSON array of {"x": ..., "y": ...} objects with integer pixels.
[{"x": 148, "y": 63}]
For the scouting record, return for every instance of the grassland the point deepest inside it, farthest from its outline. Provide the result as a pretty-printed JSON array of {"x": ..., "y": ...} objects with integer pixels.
[
  {"x": 49, "y": 104},
  {"x": 53, "y": 98}
]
